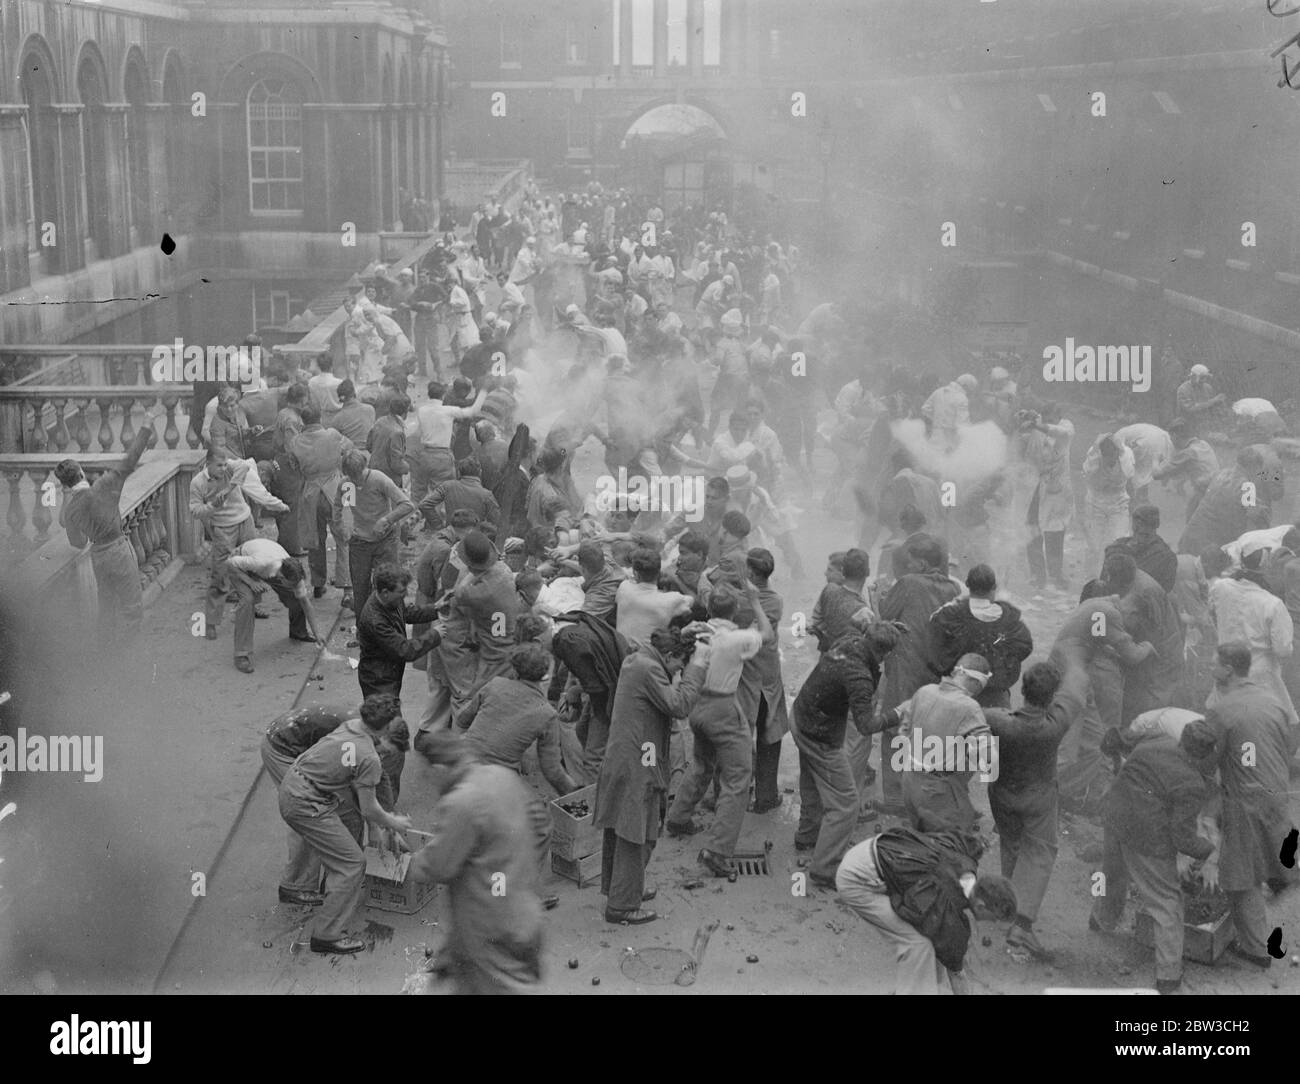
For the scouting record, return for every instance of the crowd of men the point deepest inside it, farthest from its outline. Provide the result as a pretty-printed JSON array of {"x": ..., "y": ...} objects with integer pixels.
[{"x": 613, "y": 641}]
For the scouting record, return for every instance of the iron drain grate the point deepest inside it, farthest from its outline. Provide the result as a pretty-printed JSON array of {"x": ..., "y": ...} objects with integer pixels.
[{"x": 753, "y": 864}]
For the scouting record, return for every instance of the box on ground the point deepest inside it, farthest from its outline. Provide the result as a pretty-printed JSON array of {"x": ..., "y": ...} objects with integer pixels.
[
  {"x": 389, "y": 884},
  {"x": 1202, "y": 944},
  {"x": 573, "y": 837},
  {"x": 583, "y": 871}
]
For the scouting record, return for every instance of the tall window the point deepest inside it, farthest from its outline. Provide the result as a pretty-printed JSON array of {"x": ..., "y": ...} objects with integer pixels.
[
  {"x": 94, "y": 153},
  {"x": 643, "y": 33},
  {"x": 511, "y": 44},
  {"x": 274, "y": 308},
  {"x": 578, "y": 129},
  {"x": 575, "y": 41},
  {"x": 137, "y": 151},
  {"x": 274, "y": 147},
  {"x": 712, "y": 33},
  {"x": 677, "y": 33}
]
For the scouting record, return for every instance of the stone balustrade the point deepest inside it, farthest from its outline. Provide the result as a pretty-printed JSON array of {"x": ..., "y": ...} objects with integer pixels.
[
  {"x": 55, "y": 575},
  {"x": 39, "y": 419}
]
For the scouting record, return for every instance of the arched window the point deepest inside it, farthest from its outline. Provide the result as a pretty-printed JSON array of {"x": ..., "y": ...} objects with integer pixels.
[
  {"x": 94, "y": 151},
  {"x": 274, "y": 147},
  {"x": 137, "y": 152}
]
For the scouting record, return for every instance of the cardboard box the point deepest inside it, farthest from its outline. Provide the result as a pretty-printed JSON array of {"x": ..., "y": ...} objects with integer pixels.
[
  {"x": 1202, "y": 944},
  {"x": 583, "y": 871},
  {"x": 573, "y": 837},
  {"x": 389, "y": 885}
]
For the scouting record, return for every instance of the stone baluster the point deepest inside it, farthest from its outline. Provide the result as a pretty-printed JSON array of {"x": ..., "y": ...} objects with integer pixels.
[
  {"x": 40, "y": 439},
  {"x": 148, "y": 402},
  {"x": 105, "y": 430},
  {"x": 61, "y": 436},
  {"x": 17, "y": 515},
  {"x": 171, "y": 435},
  {"x": 42, "y": 517},
  {"x": 162, "y": 543},
  {"x": 81, "y": 428},
  {"x": 137, "y": 543},
  {"x": 128, "y": 430}
]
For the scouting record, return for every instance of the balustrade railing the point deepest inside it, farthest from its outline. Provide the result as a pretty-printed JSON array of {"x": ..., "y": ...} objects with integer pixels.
[
  {"x": 69, "y": 418},
  {"x": 47, "y": 570}
]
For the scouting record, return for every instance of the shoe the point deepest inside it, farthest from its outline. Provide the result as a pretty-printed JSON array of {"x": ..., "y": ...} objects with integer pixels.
[
  {"x": 302, "y": 639},
  {"x": 1263, "y": 962},
  {"x": 344, "y": 946},
  {"x": 869, "y": 777},
  {"x": 318, "y": 592},
  {"x": 649, "y": 894},
  {"x": 803, "y": 848},
  {"x": 867, "y": 814},
  {"x": 211, "y": 632},
  {"x": 826, "y": 883},
  {"x": 1019, "y": 937},
  {"x": 676, "y": 830},
  {"x": 305, "y": 899},
  {"x": 716, "y": 864},
  {"x": 347, "y": 601},
  {"x": 639, "y": 917},
  {"x": 244, "y": 664},
  {"x": 550, "y": 903},
  {"x": 767, "y": 807},
  {"x": 261, "y": 612},
  {"x": 1169, "y": 986},
  {"x": 232, "y": 597},
  {"x": 889, "y": 809}
]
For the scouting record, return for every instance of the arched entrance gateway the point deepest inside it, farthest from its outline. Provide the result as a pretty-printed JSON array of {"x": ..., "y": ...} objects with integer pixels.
[{"x": 680, "y": 154}]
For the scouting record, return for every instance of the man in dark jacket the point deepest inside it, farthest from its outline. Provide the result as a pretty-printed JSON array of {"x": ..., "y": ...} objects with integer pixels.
[
  {"x": 844, "y": 679},
  {"x": 592, "y": 650},
  {"x": 467, "y": 491},
  {"x": 1150, "y": 818},
  {"x": 982, "y": 626},
  {"x": 1257, "y": 746},
  {"x": 916, "y": 888},
  {"x": 381, "y": 632},
  {"x": 911, "y": 601},
  {"x": 1223, "y": 515},
  {"x": 1148, "y": 549},
  {"x": 1023, "y": 798},
  {"x": 1149, "y": 614}
]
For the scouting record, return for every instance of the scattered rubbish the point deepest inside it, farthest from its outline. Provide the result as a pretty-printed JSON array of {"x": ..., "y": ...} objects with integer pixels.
[
  {"x": 733, "y": 876},
  {"x": 986, "y": 941},
  {"x": 787, "y": 790},
  {"x": 604, "y": 944},
  {"x": 354, "y": 663},
  {"x": 266, "y": 944},
  {"x": 751, "y": 959},
  {"x": 353, "y": 643},
  {"x": 551, "y": 902},
  {"x": 575, "y": 809},
  {"x": 595, "y": 980},
  {"x": 693, "y": 884},
  {"x": 315, "y": 677},
  {"x": 573, "y": 965},
  {"x": 730, "y": 926}
]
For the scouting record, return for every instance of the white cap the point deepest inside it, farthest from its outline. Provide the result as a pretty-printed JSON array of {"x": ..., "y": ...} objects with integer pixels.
[
  {"x": 727, "y": 280},
  {"x": 966, "y": 380},
  {"x": 530, "y": 240},
  {"x": 999, "y": 373},
  {"x": 406, "y": 273},
  {"x": 1198, "y": 370}
]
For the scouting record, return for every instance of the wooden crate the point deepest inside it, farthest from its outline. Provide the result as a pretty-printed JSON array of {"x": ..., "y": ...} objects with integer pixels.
[
  {"x": 584, "y": 871},
  {"x": 389, "y": 884},
  {"x": 573, "y": 838},
  {"x": 1201, "y": 944}
]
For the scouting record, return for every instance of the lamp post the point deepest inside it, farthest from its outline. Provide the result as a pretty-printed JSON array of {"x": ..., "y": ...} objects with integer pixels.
[{"x": 825, "y": 145}]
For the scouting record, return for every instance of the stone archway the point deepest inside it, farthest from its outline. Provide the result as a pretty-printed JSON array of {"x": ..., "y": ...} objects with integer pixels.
[{"x": 678, "y": 153}]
